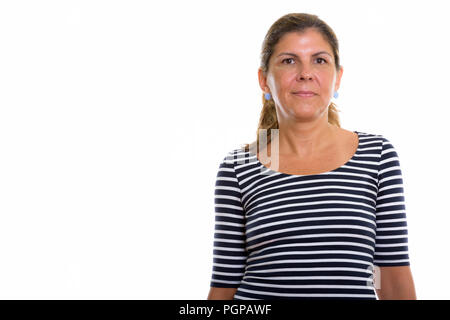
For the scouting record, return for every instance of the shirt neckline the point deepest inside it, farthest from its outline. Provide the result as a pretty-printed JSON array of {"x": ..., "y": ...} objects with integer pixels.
[{"x": 269, "y": 171}]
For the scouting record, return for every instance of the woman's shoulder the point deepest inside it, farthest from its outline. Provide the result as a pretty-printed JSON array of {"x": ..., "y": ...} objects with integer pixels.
[
  {"x": 363, "y": 133},
  {"x": 371, "y": 136},
  {"x": 378, "y": 143},
  {"x": 239, "y": 154}
]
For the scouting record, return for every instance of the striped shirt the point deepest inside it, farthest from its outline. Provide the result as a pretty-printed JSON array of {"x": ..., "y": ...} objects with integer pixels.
[{"x": 318, "y": 236}]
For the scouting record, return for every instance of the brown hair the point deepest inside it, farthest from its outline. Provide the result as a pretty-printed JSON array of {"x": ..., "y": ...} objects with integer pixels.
[{"x": 292, "y": 22}]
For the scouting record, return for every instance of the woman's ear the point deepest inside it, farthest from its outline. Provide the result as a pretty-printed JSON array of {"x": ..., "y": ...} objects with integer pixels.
[
  {"x": 262, "y": 81},
  {"x": 338, "y": 78}
]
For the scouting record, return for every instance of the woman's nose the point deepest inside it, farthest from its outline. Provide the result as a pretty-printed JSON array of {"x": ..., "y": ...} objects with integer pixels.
[
  {"x": 304, "y": 75},
  {"x": 304, "y": 72}
]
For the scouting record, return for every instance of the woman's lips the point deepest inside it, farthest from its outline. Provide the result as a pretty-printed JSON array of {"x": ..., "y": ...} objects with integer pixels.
[{"x": 305, "y": 95}]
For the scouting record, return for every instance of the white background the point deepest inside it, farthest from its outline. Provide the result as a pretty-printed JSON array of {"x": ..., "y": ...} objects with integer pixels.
[{"x": 115, "y": 115}]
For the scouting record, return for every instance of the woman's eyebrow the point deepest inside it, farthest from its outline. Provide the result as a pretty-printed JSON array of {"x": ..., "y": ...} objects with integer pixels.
[{"x": 294, "y": 55}]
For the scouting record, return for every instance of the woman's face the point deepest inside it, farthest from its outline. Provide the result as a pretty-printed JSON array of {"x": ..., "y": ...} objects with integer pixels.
[{"x": 301, "y": 62}]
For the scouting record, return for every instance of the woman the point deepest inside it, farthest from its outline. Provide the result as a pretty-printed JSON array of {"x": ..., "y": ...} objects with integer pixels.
[{"x": 318, "y": 211}]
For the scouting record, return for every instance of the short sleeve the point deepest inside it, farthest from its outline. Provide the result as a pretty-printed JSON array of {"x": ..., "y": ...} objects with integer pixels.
[
  {"x": 229, "y": 254},
  {"x": 391, "y": 245}
]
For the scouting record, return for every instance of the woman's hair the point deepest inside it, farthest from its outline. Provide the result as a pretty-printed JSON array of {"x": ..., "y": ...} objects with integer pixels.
[{"x": 292, "y": 22}]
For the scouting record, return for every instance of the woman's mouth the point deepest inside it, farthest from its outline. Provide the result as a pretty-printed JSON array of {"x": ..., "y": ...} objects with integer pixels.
[{"x": 305, "y": 94}]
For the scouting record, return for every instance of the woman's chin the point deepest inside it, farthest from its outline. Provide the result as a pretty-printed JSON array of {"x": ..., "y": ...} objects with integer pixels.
[{"x": 305, "y": 113}]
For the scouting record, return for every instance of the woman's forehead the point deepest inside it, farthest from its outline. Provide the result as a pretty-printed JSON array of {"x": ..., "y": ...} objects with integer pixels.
[{"x": 306, "y": 42}]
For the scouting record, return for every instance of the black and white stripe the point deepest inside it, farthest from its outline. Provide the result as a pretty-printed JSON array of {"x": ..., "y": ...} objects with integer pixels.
[{"x": 283, "y": 236}]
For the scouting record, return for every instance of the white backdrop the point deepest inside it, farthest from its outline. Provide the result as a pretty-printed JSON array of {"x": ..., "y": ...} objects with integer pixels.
[{"x": 115, "y": 115}]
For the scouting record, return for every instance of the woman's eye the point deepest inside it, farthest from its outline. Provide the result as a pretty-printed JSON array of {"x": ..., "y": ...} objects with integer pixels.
[
  {"x": 291, "y": 59},
  {"x": 286, "y": 60}
]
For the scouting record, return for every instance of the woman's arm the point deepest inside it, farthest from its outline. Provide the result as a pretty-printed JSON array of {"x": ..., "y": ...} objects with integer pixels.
[
  {"x": 221, "y": 293},
  {"x": 395, "y": 283}
]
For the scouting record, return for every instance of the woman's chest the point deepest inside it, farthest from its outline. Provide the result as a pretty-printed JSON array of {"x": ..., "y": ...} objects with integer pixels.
[
  {"x": 303, "y": 209},
  {"x": 313, "y": 165},
  {"x": 327, "y": 159}
]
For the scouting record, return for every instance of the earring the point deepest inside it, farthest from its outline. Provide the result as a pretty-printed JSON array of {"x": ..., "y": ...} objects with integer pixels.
[
  {"x": 267, "y": 95},
  {"x": 336, "y": 94}
]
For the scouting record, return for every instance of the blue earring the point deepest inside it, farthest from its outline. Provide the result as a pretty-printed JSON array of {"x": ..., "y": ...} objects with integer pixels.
[
  {"x": 336, "y": 94},
  {"x": 267, "y": 95}
]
